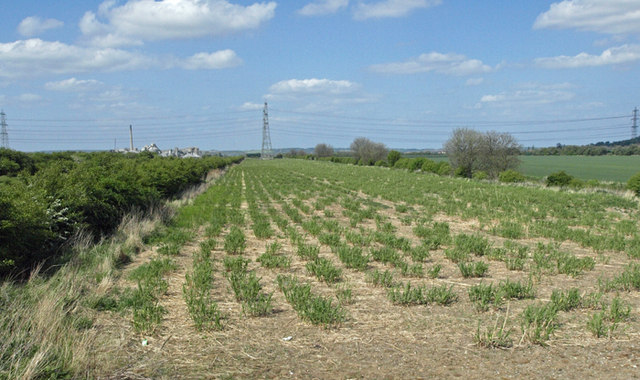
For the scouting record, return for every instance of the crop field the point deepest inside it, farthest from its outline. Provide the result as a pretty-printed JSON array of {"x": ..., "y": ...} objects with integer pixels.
[
  {"x": 302, "y": 269},
  {"x": 602, "y": 168}
]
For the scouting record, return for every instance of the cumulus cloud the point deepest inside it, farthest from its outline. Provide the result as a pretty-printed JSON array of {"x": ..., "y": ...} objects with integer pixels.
[
  {"x": 604, "y": 16},
  {"x": 613, "y": 56},
  {"x": 323, "y": 7},
  {"x": 391, "y": 8},
  {"x": 34, "y": 25},
  {"x": 147, "y": 20},
  {"x": 313, "y": 86},
  {"x": 209, "y": 61},
  {"x": 35, "y": 56},
  {"x": 449, "y": 64},
  {"x": 73, "y": 85}
]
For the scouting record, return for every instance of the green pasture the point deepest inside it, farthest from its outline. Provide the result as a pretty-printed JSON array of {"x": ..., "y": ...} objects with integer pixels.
[{"x": 602, "y": 168}]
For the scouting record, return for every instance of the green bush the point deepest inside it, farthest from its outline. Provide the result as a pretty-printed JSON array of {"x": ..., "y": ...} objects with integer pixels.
[
  {"x": 429, "y": 166},
  {"x": 393, "y": 156},
  {"x": 480, "y": 175},
  {"x": 634, "y": 184},
  {"x": 444, "y": 168},
  {"x": 511, "y": 176},
  {"x": 416, "y": 163},
  {"x": 560, "y": 179},
  {"x": 402, "y": 163}
]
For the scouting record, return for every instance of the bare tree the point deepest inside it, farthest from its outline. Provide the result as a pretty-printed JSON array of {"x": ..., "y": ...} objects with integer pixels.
[
  {"x": 323, "y": 150},
  {"x": 498, "y": 152},
  {"x": 463, "y": 150},
  {"x": 368, "y": 152},
  {"x": 492, "y": 152}
]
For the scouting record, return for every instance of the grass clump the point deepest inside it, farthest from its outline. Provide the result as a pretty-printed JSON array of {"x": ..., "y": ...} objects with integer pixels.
[
  {"x": 235, "y": 241},
  {"x": 497, "y": 337},
  {"x": 352, "y": 257},
  {"x": 474, "y": 244},
  {"x": 516, "y": 289},
  {"x": 324, "y": 270},
  {"x": 482, "y": 296},
  {"x": 421, "y": 295},
  {"x": 605, "y": 322},
  {"x": 308, "y": 251},
  {"x": 476, "y": 269},
  {"x": 272, "y": 257},
  {"x": 538, "y": 322},
  {"x": 380, "y": 278},
  {"x": 204, "y": 311},
  {"x": 316, "y": 309}
]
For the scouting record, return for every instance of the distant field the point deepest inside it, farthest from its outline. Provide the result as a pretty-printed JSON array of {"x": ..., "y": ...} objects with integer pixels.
[{"x": 602, "y": 168}]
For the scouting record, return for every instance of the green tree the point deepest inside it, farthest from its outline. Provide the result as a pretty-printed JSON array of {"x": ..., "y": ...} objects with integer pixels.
[{"x": 393, "y": 157}]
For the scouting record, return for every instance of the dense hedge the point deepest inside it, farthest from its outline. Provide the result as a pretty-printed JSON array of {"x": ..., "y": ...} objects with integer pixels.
[{"x": 44, "y": 199}]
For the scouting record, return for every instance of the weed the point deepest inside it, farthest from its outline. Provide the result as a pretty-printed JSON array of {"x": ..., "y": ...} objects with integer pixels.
[
  {"x": 352, "y": 257},
  {"x": 344, "y": 294},
  {"x": 474, "y": 244},
  {"x": 516, "y": 290},
  {"x": 420, "y": 253},
  {"x": 235, "y": 264},
  {"x": 308, "y": 251},
  {"x": 169, "y": 249},
  {"x": 566, "y": 301}
]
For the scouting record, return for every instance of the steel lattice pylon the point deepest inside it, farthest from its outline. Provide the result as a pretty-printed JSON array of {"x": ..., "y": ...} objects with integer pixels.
[
  {"x": 267, "y": 152},
  {"x": 5, "y": 134}
]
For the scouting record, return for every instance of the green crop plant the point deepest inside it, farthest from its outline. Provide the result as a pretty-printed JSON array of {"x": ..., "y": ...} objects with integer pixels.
[
  {"x": 316, "y": 309},
  {"x": 434, "y": 271},
  {"x": 482, "y": 296},
  {"x": 352, "y": 257},
  {"x": 474, "y": 244},
  {"x": 499, "y": 336},
  {"x": 566, "y": 300},
  {"x": 308, "y": 251},
  {"x": 473, "y": 269},
  {"x": 324, "y": 270},
  {"x": 235, "y": 241},
  {"x": 538, "y": 322},
  {"x": 380, "y": 278},
  {"x": 516, "y": 289}
]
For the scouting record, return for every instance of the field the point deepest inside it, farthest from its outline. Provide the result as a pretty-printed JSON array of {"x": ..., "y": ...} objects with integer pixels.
[
  {"x": 602, "y": 168},
  {"x": 292, "y": 268}
]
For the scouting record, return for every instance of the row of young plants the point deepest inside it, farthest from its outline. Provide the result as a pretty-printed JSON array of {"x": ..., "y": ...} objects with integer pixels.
[{"x": 546, "y": 259}]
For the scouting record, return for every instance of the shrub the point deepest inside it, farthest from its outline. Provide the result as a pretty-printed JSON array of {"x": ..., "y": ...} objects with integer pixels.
[
  {"x": 393, "y": 156},
  {"x": 416, "y": 164},
  {"x": 634, "y": 184},
  {"x": 444, "y": 168},
  {"x": 402, "y": 163},
  {"x": 429, "y": 166},
  {"x": 560, "y": 179},
  {"x": 511, "y": 176},
  {"x": 480, "y": 175}
]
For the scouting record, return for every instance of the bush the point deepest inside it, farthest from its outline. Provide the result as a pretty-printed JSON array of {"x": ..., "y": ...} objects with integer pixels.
[
  {"x": 402, "y": 163},
  {"x": 416, "y": 164},
  {"x": 511, "y": 176},
  {"x": 429, "y": 166},
  {"x": 382, "y": 163},
  {"x": 444, "y": 168},
  {"x": 393, "y": 156},
  {"x": 634, "y": 184},
  {"x": 560, "y": 179},
  {"x": 480, "y": 175}
]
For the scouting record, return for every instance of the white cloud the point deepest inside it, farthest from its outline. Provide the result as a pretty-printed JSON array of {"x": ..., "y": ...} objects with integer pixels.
[
  {"x": 323, "y": 7},
  {"x": 35, "y": 56},
  {"x": 604, "y": 16},
  {"x": 613, "y": 56},
  {"x": 73, "y": 85},
  {"x": 146, "y": 20},
  {"x": 529, "y": 94},
  {"x": 391, "y": 8},
  {"x": 474, "y": 81},
  {"x": 313, "y": 86},
  {"x": 29, "y": 98},
  {"x": 249, "y": 106},
  {"x": 34, "y": 25},
  {"x": 449, "y": 64},
  {"x": 207, "y": 61}
]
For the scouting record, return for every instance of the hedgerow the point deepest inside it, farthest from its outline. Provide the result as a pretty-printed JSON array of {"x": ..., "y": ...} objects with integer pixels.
[{"x": 53, "y": 197}]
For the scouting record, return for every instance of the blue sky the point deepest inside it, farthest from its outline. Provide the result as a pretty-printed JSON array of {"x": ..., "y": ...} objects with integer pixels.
[{"x": 401, "y": 72}]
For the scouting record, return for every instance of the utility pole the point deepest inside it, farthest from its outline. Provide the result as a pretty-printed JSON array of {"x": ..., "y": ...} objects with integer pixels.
[
  {"x": 267, "y": 152},
  {"x": 130, "y": 138},
  {"x": 5, "y": 134},
  {"x": 634, "y": 128}
]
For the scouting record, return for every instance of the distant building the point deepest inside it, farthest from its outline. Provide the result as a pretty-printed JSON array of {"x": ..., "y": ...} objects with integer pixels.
[{"x": 191, "y": 152}]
